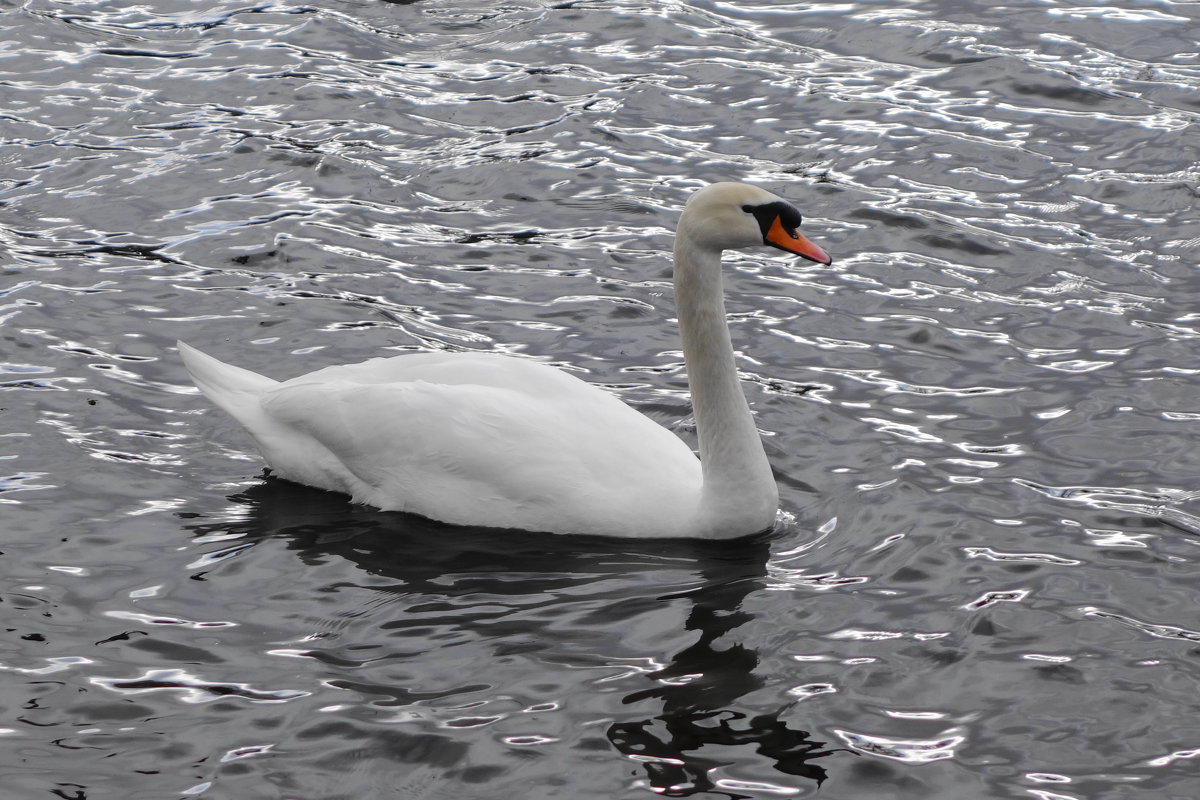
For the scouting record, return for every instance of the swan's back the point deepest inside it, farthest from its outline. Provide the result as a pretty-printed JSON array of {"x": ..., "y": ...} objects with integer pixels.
[{"x": 452, "y": 369}]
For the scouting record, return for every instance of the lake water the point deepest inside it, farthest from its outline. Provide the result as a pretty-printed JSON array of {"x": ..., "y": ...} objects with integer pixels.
[{"x": 983, "y": 416}]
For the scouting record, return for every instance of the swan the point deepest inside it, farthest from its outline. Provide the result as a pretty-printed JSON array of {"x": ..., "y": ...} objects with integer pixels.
[{"x": 489, "y": 440}]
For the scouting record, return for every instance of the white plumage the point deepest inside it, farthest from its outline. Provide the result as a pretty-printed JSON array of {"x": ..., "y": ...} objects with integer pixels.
[{"x": 491, "y": 440}]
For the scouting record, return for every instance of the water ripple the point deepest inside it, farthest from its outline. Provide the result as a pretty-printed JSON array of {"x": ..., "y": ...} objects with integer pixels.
[
  {"x": 912, "y": 751},
  {"x": 191, "y": 689},
  {"x": 981, "y": 415},
  {"x": 1161, "y": 631}
]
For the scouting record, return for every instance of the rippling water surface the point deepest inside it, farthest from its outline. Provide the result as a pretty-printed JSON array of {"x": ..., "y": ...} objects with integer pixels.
[{"x": 982, "y": 415}]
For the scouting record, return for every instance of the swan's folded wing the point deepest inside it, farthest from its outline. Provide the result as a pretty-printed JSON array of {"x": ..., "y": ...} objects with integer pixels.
[{"x": 485, "y": 452}]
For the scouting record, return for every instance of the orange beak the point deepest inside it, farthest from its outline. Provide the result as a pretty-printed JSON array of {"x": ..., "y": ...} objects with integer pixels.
[{"x": 794, "y": 242}]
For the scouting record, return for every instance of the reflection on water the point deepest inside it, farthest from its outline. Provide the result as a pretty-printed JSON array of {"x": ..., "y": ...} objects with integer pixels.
[
  {"x": 700, "y": 688},
  {"x": 982, "y": 416},
  {"x": 695, "y": 692}
]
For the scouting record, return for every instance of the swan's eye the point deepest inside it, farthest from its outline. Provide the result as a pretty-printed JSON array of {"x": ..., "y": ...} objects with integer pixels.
[{"x": 768, "y": 214}]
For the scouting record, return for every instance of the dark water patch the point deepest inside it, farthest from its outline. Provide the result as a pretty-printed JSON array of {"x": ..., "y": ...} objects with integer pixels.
[
  {"x": 959, "y": 242},
  {"x": 130, "y": 53}
]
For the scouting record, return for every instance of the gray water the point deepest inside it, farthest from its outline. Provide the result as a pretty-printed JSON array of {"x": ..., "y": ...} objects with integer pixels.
[{"x": 982, "y": 415}]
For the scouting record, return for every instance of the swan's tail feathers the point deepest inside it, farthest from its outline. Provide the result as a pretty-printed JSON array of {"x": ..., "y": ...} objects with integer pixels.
[{"x": 237, "y": 391}]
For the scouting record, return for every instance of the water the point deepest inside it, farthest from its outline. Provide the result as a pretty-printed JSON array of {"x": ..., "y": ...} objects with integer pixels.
[{"x": 982, "y": 414}]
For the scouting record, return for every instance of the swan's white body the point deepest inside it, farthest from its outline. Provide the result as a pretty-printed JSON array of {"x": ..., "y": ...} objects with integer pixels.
[{"x": 483, "y": 439}]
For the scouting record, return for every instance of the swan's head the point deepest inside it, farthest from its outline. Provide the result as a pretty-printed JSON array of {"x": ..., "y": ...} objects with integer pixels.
[{"x": 726, "y": 216}]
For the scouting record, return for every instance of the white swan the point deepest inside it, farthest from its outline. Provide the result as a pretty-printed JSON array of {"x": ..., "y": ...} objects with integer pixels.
[{"x": 491, "y": 440}]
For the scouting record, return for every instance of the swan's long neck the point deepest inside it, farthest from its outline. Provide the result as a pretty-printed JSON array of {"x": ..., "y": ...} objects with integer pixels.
[{"x": 739, "y": 493}]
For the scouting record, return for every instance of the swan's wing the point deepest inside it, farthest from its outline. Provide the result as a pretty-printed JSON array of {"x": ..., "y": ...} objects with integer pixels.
[{"x": 487, "y": 454}]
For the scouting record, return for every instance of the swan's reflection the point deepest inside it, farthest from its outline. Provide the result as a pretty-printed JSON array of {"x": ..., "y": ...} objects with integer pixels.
[
  {"x": 700, "y": 687},
  {"x": 689, "y": 704}
]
